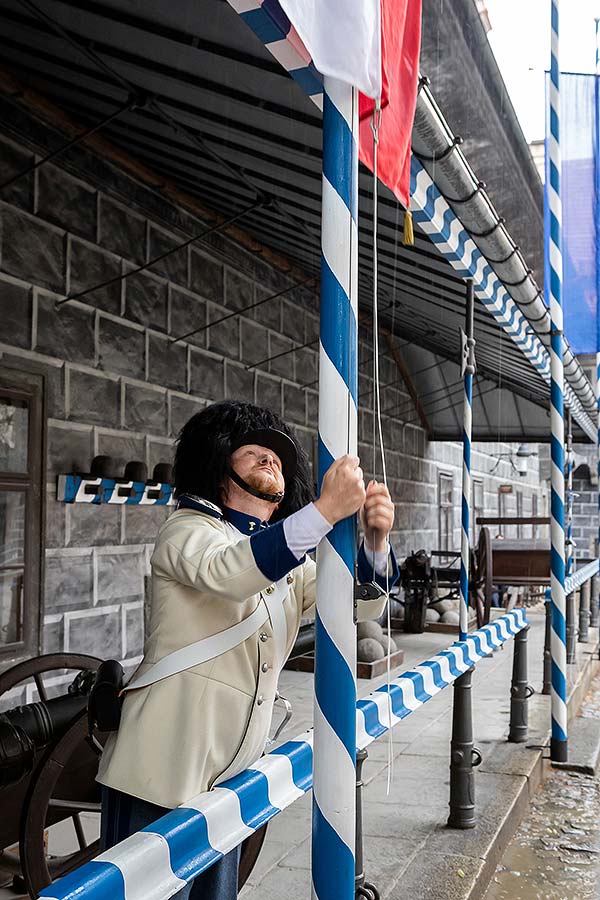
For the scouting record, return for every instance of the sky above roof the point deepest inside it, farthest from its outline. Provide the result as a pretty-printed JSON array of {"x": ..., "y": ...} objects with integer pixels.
[{"x": 520, "y": 39}]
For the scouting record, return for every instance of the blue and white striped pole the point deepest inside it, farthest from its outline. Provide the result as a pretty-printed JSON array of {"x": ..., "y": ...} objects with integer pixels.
[
  {"x": 334, "y": 783},
  {"x": 569, "y": 549},
  {"x": 558, "y": 746},
  {"x": 597, "y": 222},
  {"x": 468, "y": 372}
]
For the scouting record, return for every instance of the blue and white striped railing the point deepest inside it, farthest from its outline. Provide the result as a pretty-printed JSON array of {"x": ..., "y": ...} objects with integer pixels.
[
  {"x": 156, "y": 862},
  {"x": 96, "y": 490},
  {"x": 582, "y": 575}
]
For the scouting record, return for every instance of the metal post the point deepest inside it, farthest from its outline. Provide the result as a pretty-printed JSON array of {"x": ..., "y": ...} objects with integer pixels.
[
  {"x": 594, "y": 610},
  {"x": 520, "y": 691},
  {"x": 584, "y": 612},
  {"x": 558, "y": 744},
  {"x": 547, "y": 678},
  {"x": 468, "y": 370},
  {"x": 334, "y": 780},
  {"x": 571, "y": 629},
  {"x": 463, "y": 757},
  {"x": 362, "y": 887}
]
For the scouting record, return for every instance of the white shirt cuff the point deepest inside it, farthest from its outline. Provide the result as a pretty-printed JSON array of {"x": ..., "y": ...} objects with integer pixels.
[
  {"x": 304, "y": 529},
  {"x": 381, "y": 558}
]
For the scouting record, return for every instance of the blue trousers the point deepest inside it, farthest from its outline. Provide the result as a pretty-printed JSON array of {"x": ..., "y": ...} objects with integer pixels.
[{"x": 123, "y": 815}]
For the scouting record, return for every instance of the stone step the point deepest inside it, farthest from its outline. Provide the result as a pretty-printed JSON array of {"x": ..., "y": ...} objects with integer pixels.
[{"x": 584, "y": 746}]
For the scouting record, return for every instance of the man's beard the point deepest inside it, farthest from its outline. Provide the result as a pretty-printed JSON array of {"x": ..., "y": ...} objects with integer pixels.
[{"x": 264, "y": 481}]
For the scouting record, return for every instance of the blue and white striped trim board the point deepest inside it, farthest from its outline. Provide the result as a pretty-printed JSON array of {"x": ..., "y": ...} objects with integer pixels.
[
  {"x": 271, "y": 25},
  {"x": 156, "y": 862},
  {"x": 574, "y": 581},
  {"x": 77, "y": 489}
]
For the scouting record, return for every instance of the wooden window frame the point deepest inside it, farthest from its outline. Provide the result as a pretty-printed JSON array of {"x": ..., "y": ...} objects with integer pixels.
[
  {"x": 28, "y": 388},
  {"x": 477, "y": 510}
]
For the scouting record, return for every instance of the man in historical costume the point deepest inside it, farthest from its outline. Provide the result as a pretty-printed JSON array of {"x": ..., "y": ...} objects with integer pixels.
[{"x": 230, "y": 575}]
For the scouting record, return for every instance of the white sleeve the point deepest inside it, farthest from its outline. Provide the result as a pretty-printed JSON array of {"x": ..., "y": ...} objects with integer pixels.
[
  {"x": 304, "y": 529},
  {"x": 381, "y": 558}
]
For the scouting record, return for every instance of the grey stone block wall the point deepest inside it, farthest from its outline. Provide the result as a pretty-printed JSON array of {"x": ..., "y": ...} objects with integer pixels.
[{"x": 118, "y": 382}]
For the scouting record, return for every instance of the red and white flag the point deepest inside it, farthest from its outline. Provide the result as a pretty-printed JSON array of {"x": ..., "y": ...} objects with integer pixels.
[{"x": 373, "y": 45}]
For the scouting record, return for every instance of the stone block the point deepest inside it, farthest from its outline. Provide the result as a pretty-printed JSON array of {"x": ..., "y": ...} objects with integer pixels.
[
  {"x": 175, "y": 265},
  {"x": 182, "y": 409},
  {"x": 160, "y": 452},
  {"x": 121, "y": 348},
  {"x": 32, "y": 250},
  {"x": 121, "y": 231},
  {"x": 120, "y": 577},
  {"x": 239, "y": 290},
  {"x": 69, "y": 582},
  {"x": 312, "y": 407},
  {"x": 283, "y": 365},
  {"x": 268, "y": 392},
  {"x": 223, "y": 337},
  {"x": 294, "y": 404},
  {"x": 13, "y": 161},
  {"x": 66, "y": 201},
  {"x": 146, "y": 301},
  {"x": 98, "y": 634},
  {"x": 94, "y": 399},
  {"x": 188, "y": 312},
  {"x": 94, "y": 526},
  {"x": 56, "y": 514},
  {"x": 207, "y": 376},
  {"x": 66, "y": 332},
  {"x": 269, "y": 312},
  {"x": 90, "y": 266},
  {"x": 239, "y": 382},
  {"x": 167, "y": 363},
  {"x": 311, "y": 328},
  {"x": 206, "y": 277},
  {"x": 122, "y": 448},
  {"x": 254, "y": 340},
  {"x": 15, "y": 314},
  {"x": 134, "y": 631},
  {"x": 53, "y": 636},
  {"x": 143, "y": 522},
  {"x": 145, "y": 409},
  {"x": 307, "y": 366},
  {"x": 292, "y": 321},
  {"x": 69, "y": 450}
]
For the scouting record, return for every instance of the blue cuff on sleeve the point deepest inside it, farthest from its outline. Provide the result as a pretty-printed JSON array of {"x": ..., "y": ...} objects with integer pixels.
[
  {"x": 271, "y": 552},
  {"x": 365, "y": 569}
]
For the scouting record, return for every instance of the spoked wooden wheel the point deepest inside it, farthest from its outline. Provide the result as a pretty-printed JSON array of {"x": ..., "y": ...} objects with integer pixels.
[
  {"x": 22, "y": 804},
  {"x": 480, "y": 581}
]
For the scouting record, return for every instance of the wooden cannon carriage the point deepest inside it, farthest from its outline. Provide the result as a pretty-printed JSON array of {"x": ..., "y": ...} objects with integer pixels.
[{"x": 58, "y": 783}]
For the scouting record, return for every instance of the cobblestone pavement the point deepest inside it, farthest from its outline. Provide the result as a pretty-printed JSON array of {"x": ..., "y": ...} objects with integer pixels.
[{"x": 555, "y": 854}]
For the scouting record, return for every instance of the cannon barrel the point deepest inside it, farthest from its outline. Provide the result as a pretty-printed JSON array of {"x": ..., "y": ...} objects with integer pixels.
[{"x": 26, "y": 729}]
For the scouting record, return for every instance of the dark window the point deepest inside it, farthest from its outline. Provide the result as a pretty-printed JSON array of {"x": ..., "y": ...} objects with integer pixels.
[
  {"x": 446, "y": 511},
  {"x": 21, "y": 492},
  {"x": 477, "y": 503}
]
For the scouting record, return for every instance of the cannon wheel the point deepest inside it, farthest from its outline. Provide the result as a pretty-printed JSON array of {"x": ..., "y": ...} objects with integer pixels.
[{"x": 480, "y": 582}]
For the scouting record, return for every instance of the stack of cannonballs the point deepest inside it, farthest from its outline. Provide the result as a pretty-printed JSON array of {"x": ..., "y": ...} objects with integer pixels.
[
  {"x": 444, "y": 611},
  {"x": 372, "y": 642}
]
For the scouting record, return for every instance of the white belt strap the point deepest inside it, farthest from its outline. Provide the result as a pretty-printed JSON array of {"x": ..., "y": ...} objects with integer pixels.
[{"x": 274, "y": 604}]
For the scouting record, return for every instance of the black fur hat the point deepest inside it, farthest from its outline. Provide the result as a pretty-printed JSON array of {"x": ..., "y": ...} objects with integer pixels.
[{"x": 207, "y": 441}]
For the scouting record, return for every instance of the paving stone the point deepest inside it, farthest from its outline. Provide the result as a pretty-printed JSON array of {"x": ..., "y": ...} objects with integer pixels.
[
  {"x": 13, "y": 161},
  {"x": 206, "y": 277},
  {"x": 66, "y": 201},
  {"x": 66, "y": 332},
  {"x": 146, "y": 301},
  {"x": 69, "y": 450},
  {"x": 32, "y": 250},
  {"x": 94, "y": 399},
  {"x": 167, "y": 363},
  {"x": 145, "y": 409},
  {"x": 87, "y": 633},
  {"x": 94, "y": 526},
  {"x": 175, "y": 265},
  {"x": 182, "y": 409},
  {"x": 584, "y": 746},
  {"x": 68, "y": 582},
  {"x": 121, "y": 348},
  {"x": 90, "y": 266},
  {"x": 120, "y": 577},
  {"x": 188, "y": 312},
  {"x": 15, "y": 314},
  {"x": 433, "y": 876},
  {"x": 239, "y": 382},
  {"x": 207, "y": 376},
  {"x": 122, "y": 232}
]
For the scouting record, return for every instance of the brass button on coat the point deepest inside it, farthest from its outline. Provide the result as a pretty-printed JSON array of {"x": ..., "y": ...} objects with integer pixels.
[
  {"x": 290, "y": 579},
  {"x": 259, "y": 700},
  {"x": 264, "y": 636},
  {"x": 265, "y": 667},
  {"x": 270, "y": 589}
]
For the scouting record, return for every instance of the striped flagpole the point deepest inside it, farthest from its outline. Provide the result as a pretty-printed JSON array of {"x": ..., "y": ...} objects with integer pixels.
[
  {"x": 334, "y": 786},
  {"x": 468, "y": 372},
  {"x": 569, "y": 550},
  {"x": 558, "y": 747},
  {"x": 597, "y": 186}
]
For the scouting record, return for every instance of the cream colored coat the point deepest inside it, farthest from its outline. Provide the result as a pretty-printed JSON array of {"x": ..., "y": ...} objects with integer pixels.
[{"x": 180, "y": 736}]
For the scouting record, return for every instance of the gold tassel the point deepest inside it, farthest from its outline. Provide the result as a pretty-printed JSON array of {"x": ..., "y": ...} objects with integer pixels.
[{"x": 408, "y": 236}]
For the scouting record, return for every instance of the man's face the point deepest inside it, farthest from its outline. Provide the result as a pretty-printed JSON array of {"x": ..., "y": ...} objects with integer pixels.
[{"x": 259, "y": 467}]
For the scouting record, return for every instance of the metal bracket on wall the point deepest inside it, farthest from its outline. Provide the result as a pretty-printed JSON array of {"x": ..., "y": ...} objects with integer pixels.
[{"x": 91, "y": 489}]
